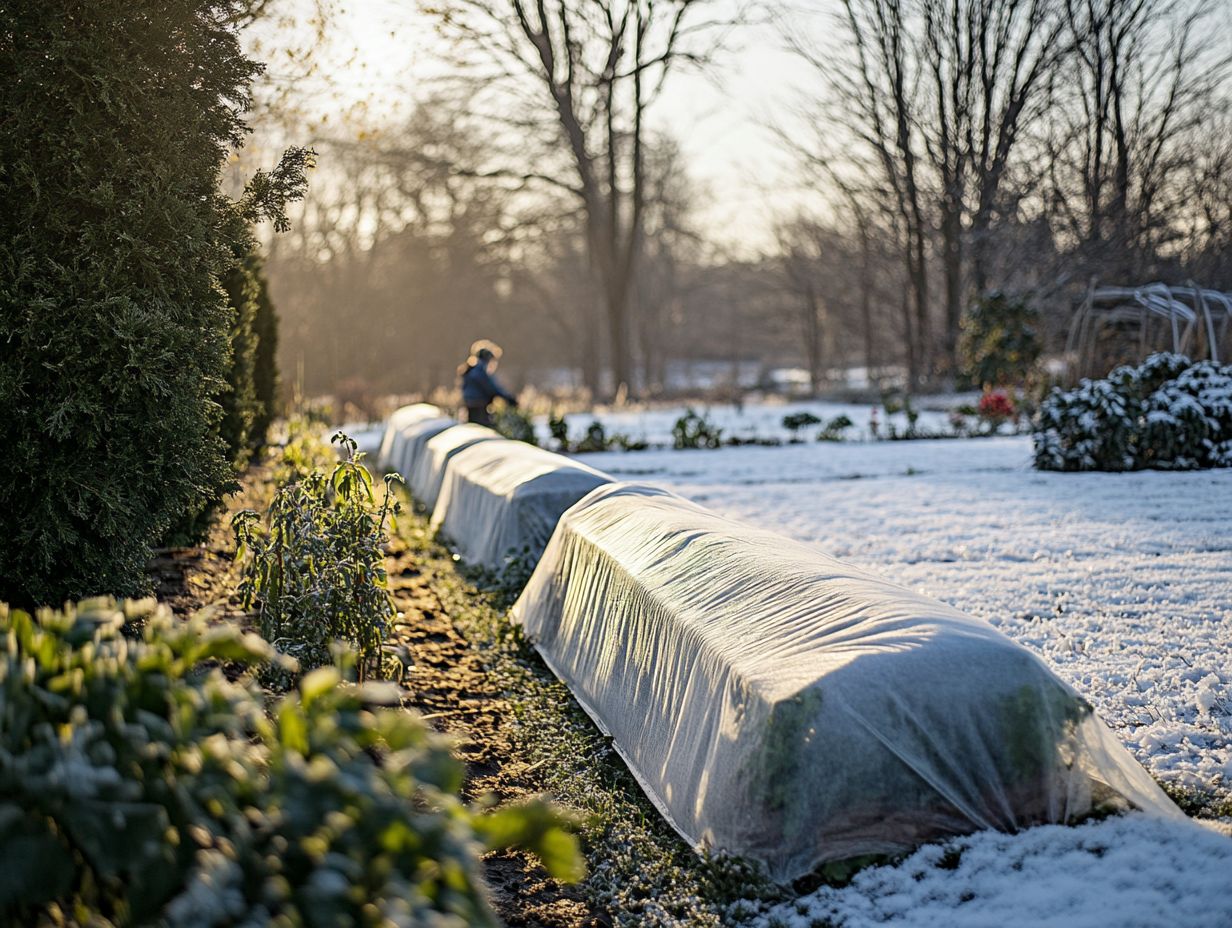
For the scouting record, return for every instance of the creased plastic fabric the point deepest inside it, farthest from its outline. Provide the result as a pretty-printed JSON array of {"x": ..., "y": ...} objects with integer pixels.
[
  {"x": 398, "y": 422},
  {"x": 500, "y": 500},
  {"x": 413, "y": 439},
  {"x": 784, "y": 706},
  {"x": 428, "y": 472}
]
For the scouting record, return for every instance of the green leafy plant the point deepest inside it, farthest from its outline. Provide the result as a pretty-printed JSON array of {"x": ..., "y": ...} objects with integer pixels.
[
  {"x": 596, "y": 439},
  {"x": 835, "y": 429},
  {"x": 314, "y": 567},
  {"x": 627, "y": 443},
  {"x": 513, "y": 423},
  {"x": 303, "y": 451},
  {"x": 797, "y": 421},
  {"x": 894, "y": 402},
  {"x": 695, "y": 431},
  {"x": 558, "y": 428},
  {"x": 999, "y": 343},
  {"x": 775, "y": 770},
  {"x": 142, "y": 786}
]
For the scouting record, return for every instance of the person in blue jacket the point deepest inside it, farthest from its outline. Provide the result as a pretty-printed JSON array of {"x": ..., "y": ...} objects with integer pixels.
[{"x": 479, "y": 386}]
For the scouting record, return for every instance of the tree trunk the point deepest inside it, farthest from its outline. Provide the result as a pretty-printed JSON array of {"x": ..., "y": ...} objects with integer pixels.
[
  {"x": 617, "y": 306},
  {"x": 812, "y": 339},
  {"x": 951, "y": 233}
]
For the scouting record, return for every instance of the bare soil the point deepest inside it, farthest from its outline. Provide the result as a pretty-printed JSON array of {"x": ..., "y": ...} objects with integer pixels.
[
  {"x": 451, "y": 684},
  {"x": 447, "y": 680}
]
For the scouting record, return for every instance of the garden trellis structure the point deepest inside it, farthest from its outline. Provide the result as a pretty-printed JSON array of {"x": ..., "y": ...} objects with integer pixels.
[{"x": 1187, "y": 320}]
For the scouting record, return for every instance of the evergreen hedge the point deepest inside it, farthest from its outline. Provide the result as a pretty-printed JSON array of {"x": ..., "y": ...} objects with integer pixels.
[
  {"x": 117, "y": 117},
  {"x": 265, "y": 359}
]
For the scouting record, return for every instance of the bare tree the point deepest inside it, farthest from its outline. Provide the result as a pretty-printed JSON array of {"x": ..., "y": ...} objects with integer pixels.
[
  {"x": 869, "y": 84},
  {"x": 989, "y": 64},
  {"x": 589, "y": 70},
  {"x": 805, "y": 248},
  {"x": 1144, "y": 78}
]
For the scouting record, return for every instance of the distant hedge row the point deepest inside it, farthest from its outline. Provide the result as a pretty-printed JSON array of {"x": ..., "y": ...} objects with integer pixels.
[{"x": 125, "y": 372}]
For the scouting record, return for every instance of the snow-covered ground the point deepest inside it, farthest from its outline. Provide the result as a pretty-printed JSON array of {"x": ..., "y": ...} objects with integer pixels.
[
  {"x": 758, "y": 420},
  {"x": 1121, "y": 582},
  {"x": 1126, "y": 872}
]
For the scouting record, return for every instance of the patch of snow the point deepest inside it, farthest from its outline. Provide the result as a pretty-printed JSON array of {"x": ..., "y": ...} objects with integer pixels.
[
  {"x": 761, "y": 420},
  {"x": 1131, "y": 871},
  {"x": 367, "y": 435}
]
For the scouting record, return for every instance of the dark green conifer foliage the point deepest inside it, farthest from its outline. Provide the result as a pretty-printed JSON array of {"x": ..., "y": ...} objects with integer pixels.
[
  {"x": 265, "y": 361},
  {"x": 117, "y": 115},
  {"x": 239, "y": 400}
]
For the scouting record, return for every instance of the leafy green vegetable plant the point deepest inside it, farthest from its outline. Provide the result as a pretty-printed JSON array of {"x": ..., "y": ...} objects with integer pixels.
[
  {"x": 835, "y": 429},
  {"x": 315, "y": 568},
  {"x": 140, "y": 786},
  {"x": 695, "y": 431},
  {"x": 797, "y": 421}
]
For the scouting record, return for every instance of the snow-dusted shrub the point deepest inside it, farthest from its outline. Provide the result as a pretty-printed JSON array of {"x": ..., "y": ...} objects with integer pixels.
[
  {"x": 1167, "y": 413},
  {"x": 141, "y": 788}
]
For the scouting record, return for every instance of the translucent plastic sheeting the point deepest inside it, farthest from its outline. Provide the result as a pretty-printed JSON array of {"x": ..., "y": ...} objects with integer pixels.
[
  {"x": 500, "y": 500},
  {"x": 412, "y": 441},
  {"x": 784, "y": 706},
  {"x": 428, "y": 472},
  {"x": 401, "y": 419}
]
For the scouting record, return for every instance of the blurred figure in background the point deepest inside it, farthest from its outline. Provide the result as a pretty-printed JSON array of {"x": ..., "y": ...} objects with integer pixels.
[{"x": 479, "y": 386}]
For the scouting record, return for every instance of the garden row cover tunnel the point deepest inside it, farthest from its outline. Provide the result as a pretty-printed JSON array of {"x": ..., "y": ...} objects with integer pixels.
[
  {"x": 403, "y": 430},
  {"x": 780, "y": 705},
  {"x": 428, "y": 471},
  {"x": 496, "y": 500}
]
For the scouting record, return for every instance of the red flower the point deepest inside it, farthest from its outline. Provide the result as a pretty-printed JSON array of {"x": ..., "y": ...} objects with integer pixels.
[{"x": 996, "y": 404}]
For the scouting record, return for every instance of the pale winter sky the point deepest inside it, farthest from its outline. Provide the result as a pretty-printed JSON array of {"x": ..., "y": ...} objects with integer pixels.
[{"x": 380, "y": 52}]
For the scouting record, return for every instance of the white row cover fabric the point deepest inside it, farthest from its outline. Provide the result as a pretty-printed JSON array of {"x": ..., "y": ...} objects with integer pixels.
[
  {"x": 502, "y": 499},
  {"x": 784, "y": 706},
  {"x": 428, "y": 471},
  {"x": 413, "y": 439},
  {"x": 399, "y": 420}
]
